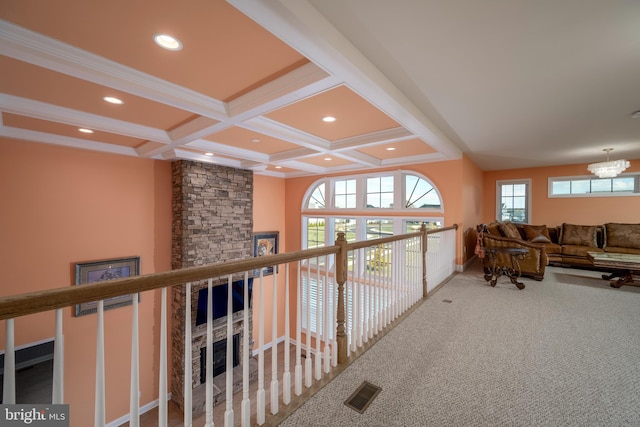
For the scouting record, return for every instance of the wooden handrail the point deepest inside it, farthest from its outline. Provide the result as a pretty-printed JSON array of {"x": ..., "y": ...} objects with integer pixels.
[{"x": 13, "y": 306}]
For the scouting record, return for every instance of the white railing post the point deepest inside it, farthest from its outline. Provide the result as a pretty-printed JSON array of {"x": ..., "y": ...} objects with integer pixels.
[
  {"x": 228, "y": 413},
  {"x": 260, "y": 398},
  {"x": 274, "y": 345},
  {"x": 134, "y": 392},
  {"x": 188, "y": 362},
  {"x": 163, "y": 413},
  {"x": 9, "y": 381},
  {"x": 298, "y": 367},
  {"x": 286, "y": 375},
  {"x": 99, "y": 416},
  {"x": 57, "y": 392},
  {"x": 246, "y": 403}
]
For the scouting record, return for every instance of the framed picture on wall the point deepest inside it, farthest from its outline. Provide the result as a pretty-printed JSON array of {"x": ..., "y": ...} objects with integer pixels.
[
  {"x": 265, "y": 243},
  {"x": 98, "y": 271}
]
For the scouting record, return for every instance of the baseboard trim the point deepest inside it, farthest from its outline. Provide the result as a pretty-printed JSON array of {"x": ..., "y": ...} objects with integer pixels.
[{"x": 143, "y": 409}]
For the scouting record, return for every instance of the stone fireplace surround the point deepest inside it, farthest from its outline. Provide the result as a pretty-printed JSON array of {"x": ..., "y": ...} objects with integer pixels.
[{"x": 212, "y": 222}]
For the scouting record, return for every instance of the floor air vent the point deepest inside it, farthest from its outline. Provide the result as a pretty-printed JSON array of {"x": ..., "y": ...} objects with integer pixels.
[
  {"x": 447, "y": 300},
  {"x": 362, "y": 397}
]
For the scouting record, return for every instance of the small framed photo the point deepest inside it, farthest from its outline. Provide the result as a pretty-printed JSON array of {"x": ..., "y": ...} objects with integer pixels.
[
  {"x": 265, "y": 243},
  {"x": 98, "y": 271}
]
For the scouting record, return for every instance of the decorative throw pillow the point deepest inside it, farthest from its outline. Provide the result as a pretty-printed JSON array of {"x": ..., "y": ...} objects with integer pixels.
[
  {"x": 509, "y": 229},
  {"x": 579, "y": 235},
  {"x": 622, "y": 235},
  {"x": 537, "y": 233}
]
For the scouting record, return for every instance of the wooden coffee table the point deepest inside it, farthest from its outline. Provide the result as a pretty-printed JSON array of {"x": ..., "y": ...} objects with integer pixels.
[{"x": 624, "y": 266}]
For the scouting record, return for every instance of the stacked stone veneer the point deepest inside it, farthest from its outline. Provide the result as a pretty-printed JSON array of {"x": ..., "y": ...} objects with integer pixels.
[{"x": 212, "y": 223}]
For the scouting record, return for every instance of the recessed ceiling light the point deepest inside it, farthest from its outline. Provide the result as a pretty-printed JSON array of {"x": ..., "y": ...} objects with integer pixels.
[
  {"x": 391, "y": 148},
  {"x": 278, "y": 167},
  {"x": 328, "y": 119},
  {"x": 168, "y": 42},
  {"x": 255, "y": 140},
  {"x": 112, "y": 100},
  {"x": 208, "y": 154},
  {"x": 83, "y": 130},
  {"x": 327, "y": 158}
]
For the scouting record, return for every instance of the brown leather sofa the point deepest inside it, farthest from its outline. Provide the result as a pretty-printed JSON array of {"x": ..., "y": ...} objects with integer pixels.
[
  {"x": 534, "y": 261},
  {"x": 567, "y": 244}
]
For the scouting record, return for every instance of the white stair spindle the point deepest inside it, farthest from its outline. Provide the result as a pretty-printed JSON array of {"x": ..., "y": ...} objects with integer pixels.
[
  {"x": 9, "y": 381},
  {"x": 275, "y": 386},
  {"x": 163, "y": 413},
  {"x": 57, "y": 392},
  {"x": 308, "y": 380},
  {"x": 298, "y": 367},
  {"x": 134, "y": 397},
  {"x": 188, "y": 367},
  {"x": 100, "y": 412},
  {"x": 319, "y": 309},
  {"x": 246, "y": 403},
  {"x": 209, "y": 368},
  {"x": 325, "y": 316},
  {"x": 260, "y": 398},
  {"x": 286, "y": 376},
  {"x": 228, "y": 413}
]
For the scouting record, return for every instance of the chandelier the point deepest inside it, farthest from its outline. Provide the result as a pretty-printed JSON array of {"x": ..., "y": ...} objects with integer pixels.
[{"x": 608, "y": 169}]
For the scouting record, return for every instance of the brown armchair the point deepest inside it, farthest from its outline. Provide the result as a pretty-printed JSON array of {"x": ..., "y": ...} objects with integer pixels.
[{"x": 534, "y": 262}]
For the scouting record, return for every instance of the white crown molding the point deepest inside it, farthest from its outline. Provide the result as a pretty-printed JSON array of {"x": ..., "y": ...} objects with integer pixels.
[
  {"x": 358, "y": 157},
  {"x": 227, "y": 150},
  {"x": 302, "y": 27},
  {"x": 188, "y": 155},
  {"x": 297, "y": 154},
  {"x": 191, "y": 130},
  {"x": 65, "y": 141},
  {"x": 410, "y": 160},
  {"x": 28, "y": 46},
  {"x": 44, "y": 111}
]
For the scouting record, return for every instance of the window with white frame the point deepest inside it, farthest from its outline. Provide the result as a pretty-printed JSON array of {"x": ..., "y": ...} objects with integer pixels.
[
  {"x": 513, "y": 200},
  {"x": 412, "y": 198},
  {"x": 589, "y": 186}
]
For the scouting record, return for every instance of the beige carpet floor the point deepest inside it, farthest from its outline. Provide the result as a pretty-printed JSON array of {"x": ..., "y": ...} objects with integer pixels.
[{"x": 561, "y": 352}]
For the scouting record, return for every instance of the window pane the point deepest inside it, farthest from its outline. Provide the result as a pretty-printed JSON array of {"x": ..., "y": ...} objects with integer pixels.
[
  {"x": 386, "y": 200},
  {"x": 373, "y": 185},
  {"x": 373, "y": 200},
  {"x": 520, "y": 190},
  {"x": 623, "y": 184},
  {"x": 420, "y": 194},
  {"x": 561, "y": 187},
  {"x": 316, "y": 201},
  {"x": 601, "y": 185},
  {"x": 344, "y": 191},
  {"x": 386, "y": 184},
  {"x": 315, "y": 232},
  {"x": 380, "y": 192},
  {"x": 580, "y": 187}
]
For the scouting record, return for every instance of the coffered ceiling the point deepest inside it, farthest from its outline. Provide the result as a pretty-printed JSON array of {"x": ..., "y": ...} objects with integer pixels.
[{"x": 511, "y": 85}]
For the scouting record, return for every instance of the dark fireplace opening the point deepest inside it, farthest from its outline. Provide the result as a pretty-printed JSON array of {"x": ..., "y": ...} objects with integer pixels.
[{"x": 219, "y": 357}]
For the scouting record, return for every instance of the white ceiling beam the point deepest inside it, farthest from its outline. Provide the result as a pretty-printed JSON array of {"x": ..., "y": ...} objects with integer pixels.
[
  {"x": 54, "y": 113},
  {"x": 374, "y": 138},
  {"x": 302, "y": 27},
  {"x": 28, "y": 46},
  {"x": 228, "y": 150}
]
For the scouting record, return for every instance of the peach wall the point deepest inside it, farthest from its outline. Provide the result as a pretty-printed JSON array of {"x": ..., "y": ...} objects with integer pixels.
[
  {"x": 472, "y": 197},
  {"x": 62, "y": 206},
  {"x": 555, "y": 211},
  {"x": 268, "y": 215}
]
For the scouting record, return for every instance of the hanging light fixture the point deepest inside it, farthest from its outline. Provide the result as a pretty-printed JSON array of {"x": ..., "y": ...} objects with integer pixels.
[{"x": 610, "y": 168}]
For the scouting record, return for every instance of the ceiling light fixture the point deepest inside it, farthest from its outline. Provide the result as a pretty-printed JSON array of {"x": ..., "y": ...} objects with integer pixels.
[
  {"x": 255, "y": 140},
  {"x": 83, "y": 130},
  {"x": 328, "y": 119},
  {"x": 327, "y": 158},
  {"x": 168, "y": 42},
  {"x": 208, "y": 154},
  {"x": 391, "y": 148},
  {"x": 113, "y": 100},
  {"x": 278, "y": 167},
  {"x": 610, "y": 168}
]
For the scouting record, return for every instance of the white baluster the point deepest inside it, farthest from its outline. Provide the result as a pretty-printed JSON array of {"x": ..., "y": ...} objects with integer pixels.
[
  {"x": 9, "y": 382},
  {"x": 260, "y": 398},
  {"x": 298, "y": 368},
  {"x": 228, "y": 413},
  {"x": 319, "y": 309},
  {"x": 100, "y": 395},
  {"x": 325, "y": 316},
  {"x": 134, "y": 397},
  {"x": 358, "y": 305},
  {"x": 57, "y": 393},
  {"x": 308, "y": 380},
  {"x": 286, "y": 376},
  {"x": 163, "y": 414},
  {"x": 209, "y": 367},
  {"x": 246, "y": 403},
  {"x": 275, "y": 386},
  {"x": 188, "y": 362}
]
